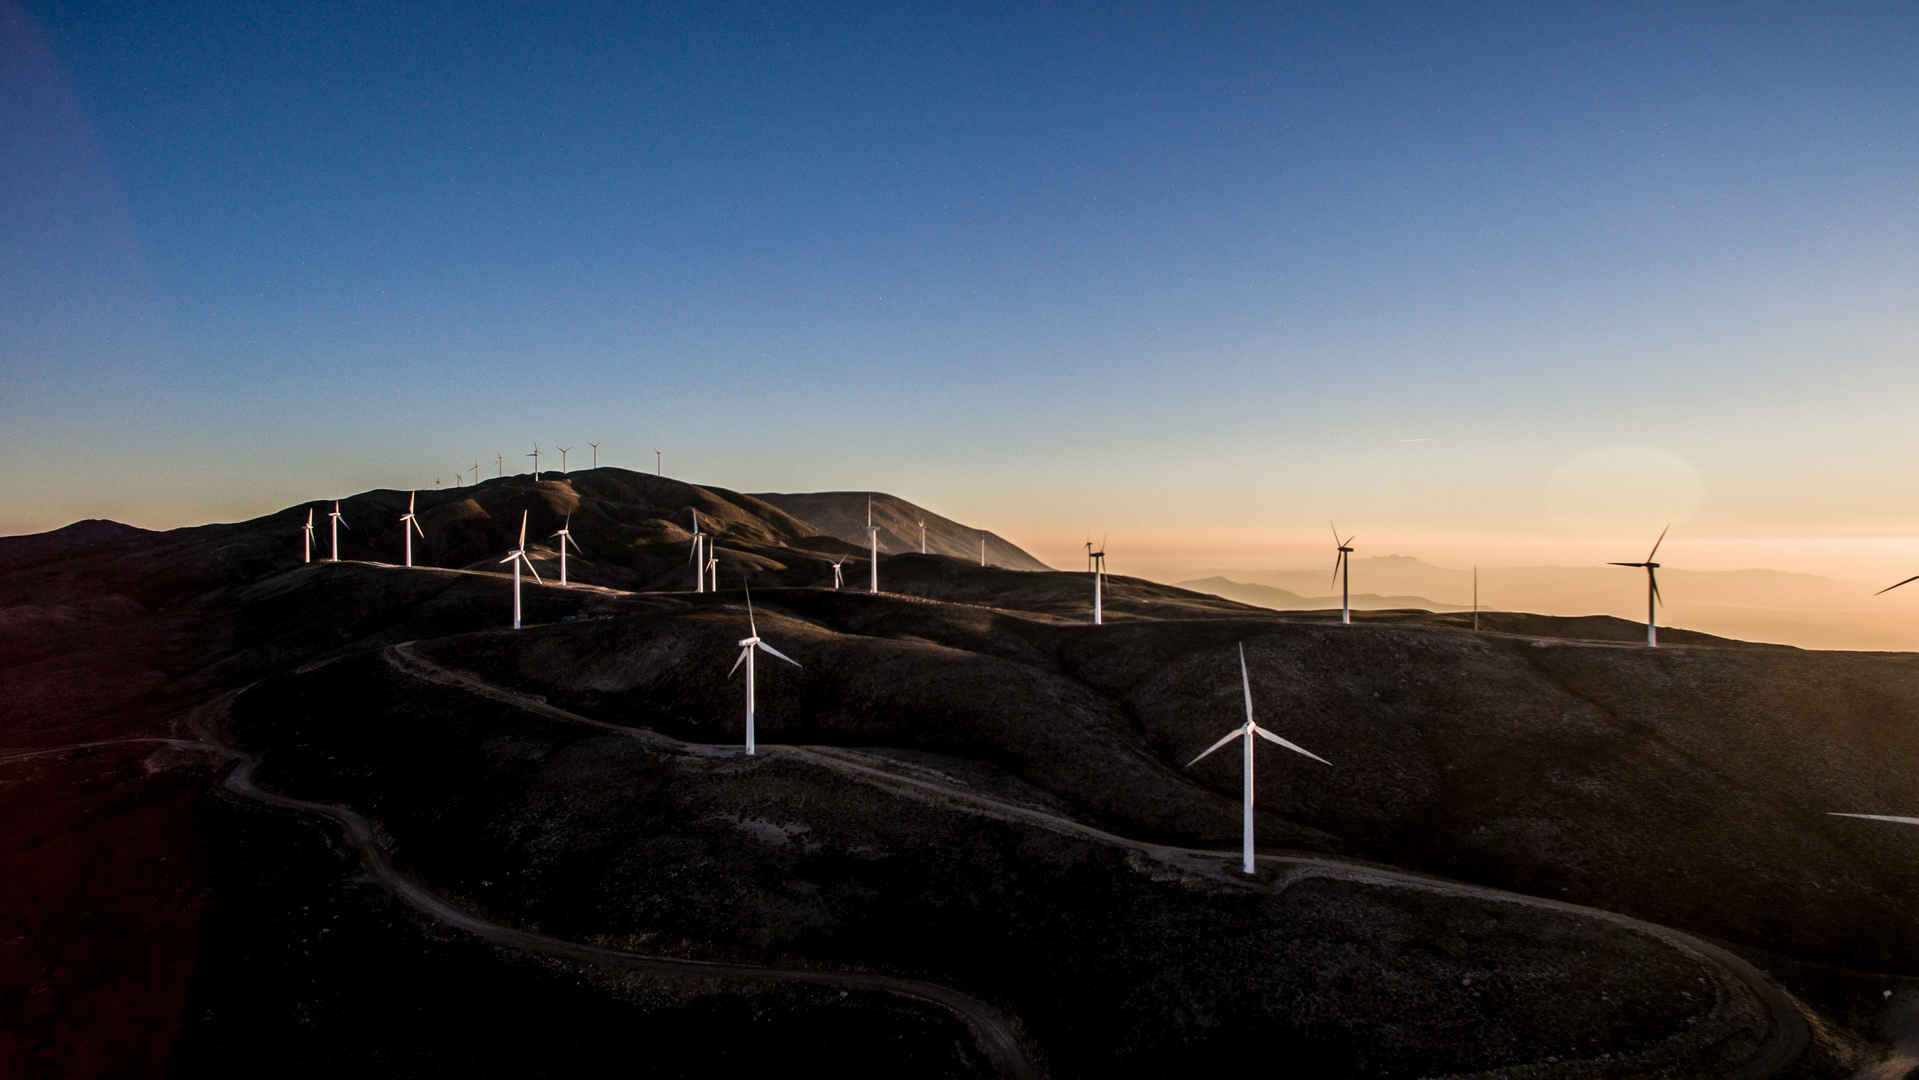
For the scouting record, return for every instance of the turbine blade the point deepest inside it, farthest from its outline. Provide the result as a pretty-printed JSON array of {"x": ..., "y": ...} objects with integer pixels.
[
  {"x": 1230, "y": 736},
  {"x": 1335, "y": 530},
  {"x": 1246, "y": 681},
  {"x": 779, "y": 654},
  {"x": 575, "y": 543},
  {"x": 1653, "y": 577},
  {"x": 749, "y": 611},
  {"x": 1887, "y": 589},
  {"x": 738, "y": 661},
  {"x": 416, "y": 526},
  {"x": 1337, "y": 559},
  {"x": 1294, "y": 747},
  {"x": 522, "y": 530},
  {"x": 1661, "y": 540},
  {"x": 1625, "y": 564},
  {"x": 509, "y": 558},
  {"x": 535, "y": 569},
  {"x": 1878, "y": 817}
]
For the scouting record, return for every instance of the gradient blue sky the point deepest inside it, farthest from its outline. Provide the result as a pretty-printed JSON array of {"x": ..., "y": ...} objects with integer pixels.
[{"x": 1443, "y": 272}]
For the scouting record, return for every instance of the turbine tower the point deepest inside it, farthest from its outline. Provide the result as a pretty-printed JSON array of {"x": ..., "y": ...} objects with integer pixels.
[
  {"x": 922, "y": 536},
  {"x": 596, "y": 453},
  {"x": 306, "y": 539},
  {"x": 1247, "y": 731},
  {"x": 873, "y": 534},
  {"x": 1652, "y": 588},
  {"x": 1342, "y": 563},
  {"x": 563, "y": 450},
  {"x": 337, "y": 521},
  {"x": 1099, "y": 573},
  {"x": 747, "y": 645},
  {"x": 698, "y": 557},
  {"x": 535, "y": 455},
  {"x": 516, "y": 558},
  {"x": 410, "y": 525},
  {"x": 565, "y": 533}
]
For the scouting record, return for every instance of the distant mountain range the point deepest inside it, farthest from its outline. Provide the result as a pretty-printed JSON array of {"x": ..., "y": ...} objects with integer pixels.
[{"x": 1278, "y": 599}]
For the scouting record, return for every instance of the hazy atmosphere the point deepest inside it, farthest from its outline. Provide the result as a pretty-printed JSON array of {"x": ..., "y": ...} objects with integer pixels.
[{"x": 1512, "y": 286}]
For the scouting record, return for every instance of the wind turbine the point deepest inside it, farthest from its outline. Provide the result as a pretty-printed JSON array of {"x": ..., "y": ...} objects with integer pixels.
[
  {"x": 501, "y": 460},
  {"x": 1889, "y": 588},
  {"x": 516, "y": 558},
  {"x": 747, "y": 645},
  {"x": 713, "y": 566},
  {"x": 1341, "y": 562},
  {"x": 563, "y": 450},
  {"x": 476, "y": 474},
  {"x": 1475, "y": 597},
  {"x": 338, "y": 521},
  {"x": 1089, "y": 556},
  {"x": 922, "y": 536},
  {"x": 1248, "y": 730},
  {"x": 659, "y": 464},
  {"x": 1099, "y": 573},
  {"x": 565, "y": 533},
  {"x": 838, "y": 578},
  {"x": 1652, "y": 588},
  {"x": 982, "y": 550},
  {"x": 596, "y": 453},
  {"x": 699, "y": 550},
  {"x": 306, "y": 539},
  {"x": 535, "y": 455},
  {"x": 410, "y": 525},
  {"x": 873, "y": 534}
]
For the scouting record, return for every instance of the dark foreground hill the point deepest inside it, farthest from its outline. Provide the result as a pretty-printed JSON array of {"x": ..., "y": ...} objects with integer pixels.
[{"x": 369, "y": 821}]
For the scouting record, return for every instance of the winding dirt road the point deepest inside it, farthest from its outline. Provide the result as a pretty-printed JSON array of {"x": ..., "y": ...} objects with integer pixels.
[{"x": 1786, "y": 1040}]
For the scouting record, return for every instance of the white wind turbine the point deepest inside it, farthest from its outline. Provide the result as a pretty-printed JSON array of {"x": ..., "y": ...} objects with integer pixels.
[
  {"x": 982, "y": 549},
  {"x": 516, "y": 558},
  {"x": 1652, "y": 588},
  {"x": 713, "y": 567},
  {"x": 306, "y": 539},
  {"x": 698, "y": 557},
  {"x": 337, "y": 521},
  {"x": 659, "y": 464},
  {"x": 1247, "y": 731},
  {"x": 1475, "y": 597},
  {"x": 1341, "y": 562},
  {"x": 410, "y": 525},
  {"x": 500, "y": 461},
  {"x": 873, "y": 534},
  {"x": 596, "y": 453},
  {"x": 563, "y": 450},
  {"x": 838, "y": 578},
  {"x": 565, "y": 533},
  {"x": 476, "y": 473},
  {"x": 535, "y": 455},
  {"x": 922, "y": 536},
  {"x": 747, "y": 645}
]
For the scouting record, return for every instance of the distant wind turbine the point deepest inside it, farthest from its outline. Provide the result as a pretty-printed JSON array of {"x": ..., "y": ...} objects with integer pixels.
[
  {"x": 1475, "y": 597},
  {"x": 1341, "y": 562},
  {"x": 596, "y": 453},
  {"x": 922, "y": 536},
  {"x": 1089, "y": 555},
  {"x": 516, "y": 558},
  {"x": 699, "y": 552},
  {"x": 501, "y": 460},
  {"x": 713, "y": 565},
  {"x": 565, "y": 533},
  {"x": 306, "y": 539},
  {"x": 1099, "y": 575},
  {"x": 563, "y": 450},
  {"x": 476, "y": 474},
  {"x": 747, "y": 645},
  {"x": 838, "y": 578},
  {"x": 1652, "y": 588},
  {"x": 535, "y": 455},
  {"x": 982, "y": 550},
  {"x": 337, "y": 521},
  {"x": 873, "y": 534},
  {"x": 659, "y": 464},
  {"x": 1891, "y": 587},
  {"x": 1247, "y": 731},
  {"x": 410, "y": 525}
]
